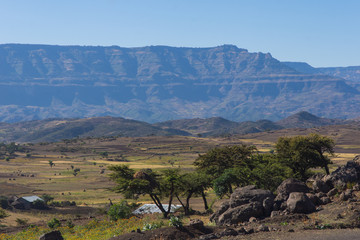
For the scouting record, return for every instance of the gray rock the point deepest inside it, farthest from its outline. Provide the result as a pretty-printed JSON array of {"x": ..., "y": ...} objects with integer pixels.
[
  {"x": 320, "y": 186},
  {"x": 325, "y": 200},
  {"x": 227, "y": 232},
  {"x": 332, "y": 192},
  {"x": 196, "y": 223},
  {"x": 223, "y": 207},
  {"x": 314, "y": 199},
  {"x": 241, "y": 230},
  {"x": 350, "y": 173},
  {"x": 356, "y": 187},
  {"x": 54, "y": 235},
  {"x": 263, "y": 228},
  {"x": 249, "y": 194},
  {"x": 288, "y": 186},
  {"x": 275, "y": 213},
  {"x": 208, "y": 237},
  {"x": 268, "y": 205},
  {"x": 298, "y": 202},
  {"x": 241, "y": 214},
  {"x": 320, "y": 194},
  {"x": 344, "y": 196},
  {"x": 252, "y": 219}
]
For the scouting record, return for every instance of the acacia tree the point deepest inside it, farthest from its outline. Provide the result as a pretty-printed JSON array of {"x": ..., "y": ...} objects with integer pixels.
[
  {"x": 264, "y": 171},
  {"x": 217, "y": 160},
  {"x": 145, "y": 182},
  {"x": 300, "y": 153},
  {"x": 189, "y": 185}
]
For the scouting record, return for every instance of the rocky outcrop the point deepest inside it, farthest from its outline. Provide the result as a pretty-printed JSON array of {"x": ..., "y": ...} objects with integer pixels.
[
  {"x": 244, "y": 203},
  {"x": 288, "y": 186},
  {"x": 341, "y": 178},
  {"x": 298, "y": 202}
]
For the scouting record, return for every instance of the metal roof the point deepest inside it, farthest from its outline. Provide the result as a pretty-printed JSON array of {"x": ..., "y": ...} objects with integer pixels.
[
  {"x": 152, "y": 208},
  {"x": 32, "y": 198}
]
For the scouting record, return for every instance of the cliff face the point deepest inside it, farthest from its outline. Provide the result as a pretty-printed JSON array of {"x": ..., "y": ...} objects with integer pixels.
[{"x": 161, "y": 83}]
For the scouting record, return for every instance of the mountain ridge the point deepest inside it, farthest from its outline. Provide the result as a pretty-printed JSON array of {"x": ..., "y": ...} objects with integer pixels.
[
  {"x": 56, "y": 129},
  {"x": 159, "y": 83}
]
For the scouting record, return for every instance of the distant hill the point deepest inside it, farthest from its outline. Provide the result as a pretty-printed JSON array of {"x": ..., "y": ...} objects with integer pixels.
[
  {"x": 219, "y": 126},
  {"x": 57, "y": 129},
  {"x": 307, "y": 120},
  {"x": 160, "y": 83},
  {"x": 200, "y": 125},
  {"x": 51, "y": 130}
]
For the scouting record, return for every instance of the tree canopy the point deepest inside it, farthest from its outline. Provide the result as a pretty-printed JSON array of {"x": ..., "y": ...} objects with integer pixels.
[{"x": 301, "y": 153}]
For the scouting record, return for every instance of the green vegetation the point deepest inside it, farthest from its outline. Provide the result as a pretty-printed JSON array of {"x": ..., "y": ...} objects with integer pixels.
[
  {"x": 120, "y": 211},
  {"x": 300, "y": 153},
  {"x": 220, "y": 166},
  {"x": 175, "y": 222},
  {"x": 54, "y": 223}
]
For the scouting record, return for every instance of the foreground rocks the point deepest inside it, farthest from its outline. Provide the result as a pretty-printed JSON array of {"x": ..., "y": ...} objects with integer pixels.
[
  {"x": 244, "y": 203},
  {"x": 54, "y": 235}
]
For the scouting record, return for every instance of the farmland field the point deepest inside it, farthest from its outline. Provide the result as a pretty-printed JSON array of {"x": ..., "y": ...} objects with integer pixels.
[{"x": 30, "y": 172}]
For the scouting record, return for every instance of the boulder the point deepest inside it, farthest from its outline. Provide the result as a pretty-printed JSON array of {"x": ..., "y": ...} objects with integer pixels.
[
  {"x": 320, "y": 186},
  {"x": 196, "y": 223},
  {"x": 298, "y": 202},
  {"x": 332, "y": 192},
  {"x": 344, "y": 196},
  {"x": 249, "y": 194},
  {"x": 54, "y": 235},
  {"x": 325, "y": 200},
  {"x": 350, "y": 173},
  {"x": 223, "y": 207},
  {"x": 244, "y": 203},
  {"x": 241, "y": 213},
  {"x": 288, "y": 186},
  {"x": 314, "y": 199}
]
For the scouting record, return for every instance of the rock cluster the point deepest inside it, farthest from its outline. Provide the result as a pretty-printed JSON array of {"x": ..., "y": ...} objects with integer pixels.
[{"x": 244, "y": 203}]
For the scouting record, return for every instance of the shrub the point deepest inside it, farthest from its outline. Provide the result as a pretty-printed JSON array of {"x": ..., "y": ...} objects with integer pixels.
[
  {"x": 70, "y": 224},
  {"x": 4, "y": 203},
  {"x": 21, "y": 221},
  {"x": 39, "y": 204},
  {"x": 152, "y": 226},
  {"x": 119, "y": 211},
  {"x": 3, "y": 214},
  {"x": 175, "y": 222},
  {"x": 54, "y": 223},
  {"x": 47, "y": 198}
]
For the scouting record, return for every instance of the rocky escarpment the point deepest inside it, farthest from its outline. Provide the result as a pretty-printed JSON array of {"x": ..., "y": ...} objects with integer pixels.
[{"x": 160, "y": 83}]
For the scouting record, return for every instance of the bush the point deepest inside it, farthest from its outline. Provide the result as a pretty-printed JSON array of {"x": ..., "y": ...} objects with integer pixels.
[
  {"x": 175, "y": 222},
  {"x": 70, "y": 224},
  {"x": 152, "y": 226},
  {"x": 4, "y": 203},
  {"x": 3, "y": 214},
  {"x": 47, "y": 198},
  {"x": 119, "y": 211},
  {"x": 54, "y": 223},
  {"x": 21, "y": 221},
  {"x": 39, "y": 204}
]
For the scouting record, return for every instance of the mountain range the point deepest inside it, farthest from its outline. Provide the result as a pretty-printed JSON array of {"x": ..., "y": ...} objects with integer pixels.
[
  {"x": 161, "y": 83},
  {"x": 50, "y": 130}
]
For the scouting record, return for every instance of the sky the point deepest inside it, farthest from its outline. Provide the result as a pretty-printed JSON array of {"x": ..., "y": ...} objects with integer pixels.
[{"x": 323, "y": 33}]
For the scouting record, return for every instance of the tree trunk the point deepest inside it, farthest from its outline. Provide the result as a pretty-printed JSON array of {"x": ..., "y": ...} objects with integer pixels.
[
  {"x": 170, "y": 200},
  {"x": 327, "y": 169},
  {"x": 182, "y": 204},
  {"x": 205, "y": 201},
  {"x": 158, "y": 203}
]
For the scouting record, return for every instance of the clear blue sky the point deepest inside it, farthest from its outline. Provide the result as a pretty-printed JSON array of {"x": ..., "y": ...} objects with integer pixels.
[{"x": 320, "y": 32}]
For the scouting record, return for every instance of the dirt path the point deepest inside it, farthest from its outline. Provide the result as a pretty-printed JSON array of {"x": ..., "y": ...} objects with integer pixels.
[{"x": 335, "y": 234}]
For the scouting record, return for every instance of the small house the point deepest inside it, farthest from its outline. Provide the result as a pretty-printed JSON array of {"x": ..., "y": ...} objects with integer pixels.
[{"x": 25, "y": 202}]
